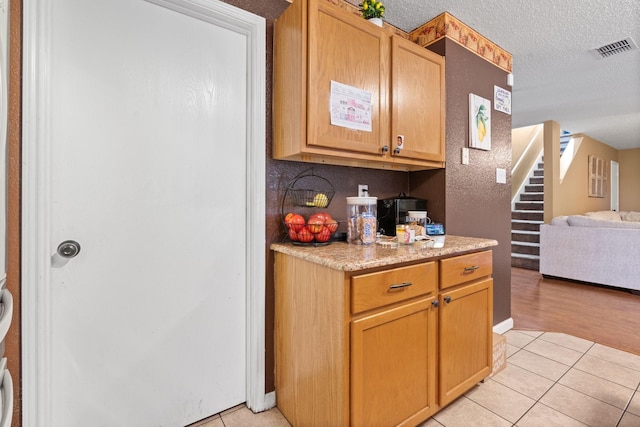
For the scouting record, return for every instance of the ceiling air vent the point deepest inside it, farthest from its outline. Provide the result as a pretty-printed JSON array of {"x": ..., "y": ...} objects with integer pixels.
[{"x": 614, "y": 48}]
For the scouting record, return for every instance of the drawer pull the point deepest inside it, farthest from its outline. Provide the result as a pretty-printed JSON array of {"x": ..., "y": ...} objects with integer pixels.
[
  {"x": 447, "y": 299},
  {"x": 399, "y": 286},
  {"x": 471, "y": 269}
]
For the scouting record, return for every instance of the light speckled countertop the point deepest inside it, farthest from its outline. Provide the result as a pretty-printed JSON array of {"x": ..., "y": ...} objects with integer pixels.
[{"x": 346, "y": 257}]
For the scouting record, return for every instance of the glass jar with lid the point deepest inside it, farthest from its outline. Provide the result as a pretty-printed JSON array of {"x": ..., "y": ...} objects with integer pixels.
[{"x": 362, "y": 220}]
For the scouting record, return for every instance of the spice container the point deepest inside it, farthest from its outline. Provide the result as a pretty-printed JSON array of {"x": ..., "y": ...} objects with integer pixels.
[{"x": 362, "y": 220}]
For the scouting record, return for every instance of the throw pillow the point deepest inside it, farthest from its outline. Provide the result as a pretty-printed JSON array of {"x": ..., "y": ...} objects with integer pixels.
[
  {"x": 585, "y": 221},
  {"x": 631, "y": 216},
  {"x": 560, "y": 220},
  {"x": 605, "y": 215}
]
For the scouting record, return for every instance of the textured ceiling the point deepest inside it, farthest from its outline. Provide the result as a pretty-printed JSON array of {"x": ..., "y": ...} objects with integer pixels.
[{"x": 555, "y": 76}]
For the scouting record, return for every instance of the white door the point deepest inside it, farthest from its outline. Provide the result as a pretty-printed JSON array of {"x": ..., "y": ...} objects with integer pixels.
[
  {"x": 615, "y": 186},
  {"x": 145, "y": 148}
]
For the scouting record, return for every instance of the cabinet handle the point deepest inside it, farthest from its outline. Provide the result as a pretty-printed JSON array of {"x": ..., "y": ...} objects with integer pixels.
[
  {"x": 447, "y": 299},
  {"x": 396, "y": 151},
  {"x": 385, "y": 149},
  {"x": 471, "y": 269},
  {"x": 399, "y": 286},
  {"x": 435, "y": 303}
]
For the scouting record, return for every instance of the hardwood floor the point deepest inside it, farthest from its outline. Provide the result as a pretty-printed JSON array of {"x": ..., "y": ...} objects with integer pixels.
[{"x": 604, "y": 315}]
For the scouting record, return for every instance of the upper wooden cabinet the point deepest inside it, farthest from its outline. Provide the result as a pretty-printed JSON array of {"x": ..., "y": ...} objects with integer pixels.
[
  {"x": 417, "y": 102},
  {"x": 318, "y": 45}
]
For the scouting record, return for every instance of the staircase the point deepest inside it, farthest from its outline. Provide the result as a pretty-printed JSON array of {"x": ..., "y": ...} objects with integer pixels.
[{"x": 526, "y": 217}]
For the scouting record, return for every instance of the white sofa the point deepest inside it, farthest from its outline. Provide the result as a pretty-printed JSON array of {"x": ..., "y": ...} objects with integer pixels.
[{"x": 597, "y": 247}]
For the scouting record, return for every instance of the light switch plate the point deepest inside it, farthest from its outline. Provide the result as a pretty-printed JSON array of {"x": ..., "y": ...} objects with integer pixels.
[
  {"x": 465, "y": 156},
  {"x": 501, "y": 176}
]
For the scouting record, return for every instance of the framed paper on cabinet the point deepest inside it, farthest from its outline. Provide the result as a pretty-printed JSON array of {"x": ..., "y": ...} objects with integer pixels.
[{"x": 479, "y": 122}]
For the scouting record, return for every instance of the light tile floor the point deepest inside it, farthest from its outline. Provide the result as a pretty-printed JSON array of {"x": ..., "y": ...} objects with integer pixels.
[{"x": 551, "y": 379}]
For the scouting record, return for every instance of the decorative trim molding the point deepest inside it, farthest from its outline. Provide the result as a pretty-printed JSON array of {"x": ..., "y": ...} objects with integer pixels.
[{"x": 446, "y": 25}]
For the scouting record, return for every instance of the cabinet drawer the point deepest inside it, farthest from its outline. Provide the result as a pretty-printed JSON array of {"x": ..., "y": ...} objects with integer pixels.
[
  {"x": 465, "y": 268},
  {"x": 386, "y": 287}
]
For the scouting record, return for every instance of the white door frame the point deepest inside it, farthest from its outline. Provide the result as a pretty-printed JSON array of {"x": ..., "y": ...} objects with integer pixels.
[
  {"x": 36, "y": 244},
  {"x": 615, "y": 185}
]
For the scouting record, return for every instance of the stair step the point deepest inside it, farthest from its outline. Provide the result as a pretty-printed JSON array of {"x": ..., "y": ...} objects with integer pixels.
[
  {"x": 527, "y": 262},
  {"x": 530, "y": 206},
  {"x": 526, "y": 218},
  {"x": 525, "y": 236},
  {"x": 525, "y": 225},
  {"x": 523, "y": 248},
  {"x": 531, "y": 197},
  {"x": 536, "y": 180},
  {"x": 527, "y": 215}
]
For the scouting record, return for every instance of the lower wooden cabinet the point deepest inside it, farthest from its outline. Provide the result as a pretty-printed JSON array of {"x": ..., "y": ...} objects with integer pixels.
[
  {"x": 379, "y": 348},
  {"x": 465, "y": 339},
  {"x": 393, "y": 360}
]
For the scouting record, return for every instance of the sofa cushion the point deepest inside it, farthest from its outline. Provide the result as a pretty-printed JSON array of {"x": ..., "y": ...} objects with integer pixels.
[
  {"x": 586, "y": 221},
  {"x": 560, "y": 220},
  {"x": 630, "y": 216},
  {"x": 605, "y": 215}
]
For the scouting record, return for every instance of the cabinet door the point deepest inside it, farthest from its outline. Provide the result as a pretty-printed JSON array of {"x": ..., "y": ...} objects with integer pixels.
[
  {"x": 351, "y": 52},
  {"x": 465, "y": 338},
  {"x": 418, "y": 102},
  {"x": 393, "y": 366}
]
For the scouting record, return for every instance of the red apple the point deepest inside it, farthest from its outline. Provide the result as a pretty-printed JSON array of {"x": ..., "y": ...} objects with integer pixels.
[
  {"x": 288, "y": 217},
  {"x": 332, "y": 225},
  {"x": 318, "y": 218},
  {"x": 304, "y": 235},
  {"x": 324, "y": 235},
  {"x": 315, "y": 224},
  {"x": 296, "y": 222},
  {"x": 293, "y": 235}
]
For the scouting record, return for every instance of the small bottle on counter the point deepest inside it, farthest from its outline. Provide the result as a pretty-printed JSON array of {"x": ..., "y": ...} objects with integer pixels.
[{"x": 405, "y": 234}]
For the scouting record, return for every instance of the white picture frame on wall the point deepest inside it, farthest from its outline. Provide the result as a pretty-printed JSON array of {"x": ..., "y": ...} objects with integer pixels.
[{"x": 479, "y": 122}]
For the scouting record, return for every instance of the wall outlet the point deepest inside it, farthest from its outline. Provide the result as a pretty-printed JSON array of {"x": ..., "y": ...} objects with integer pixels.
[{"x": 363, "y": 190}]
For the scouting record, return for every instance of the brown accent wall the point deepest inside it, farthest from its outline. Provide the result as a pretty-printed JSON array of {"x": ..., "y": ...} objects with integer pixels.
[{"x": 466, "y": 197}]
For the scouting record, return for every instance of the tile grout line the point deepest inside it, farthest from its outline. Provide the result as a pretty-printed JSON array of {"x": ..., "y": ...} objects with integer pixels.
[
  {"x": 573, "y": 366},
  {"x": 626, "y": 408},
  {"x": 554, "y": 382}
]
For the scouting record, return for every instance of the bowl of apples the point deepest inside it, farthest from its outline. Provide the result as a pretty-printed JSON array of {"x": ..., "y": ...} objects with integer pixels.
[{"x": 316, "y": 230}]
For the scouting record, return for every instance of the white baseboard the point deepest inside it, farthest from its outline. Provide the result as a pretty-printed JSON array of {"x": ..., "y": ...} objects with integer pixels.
[{"x": 503, "y": 326}]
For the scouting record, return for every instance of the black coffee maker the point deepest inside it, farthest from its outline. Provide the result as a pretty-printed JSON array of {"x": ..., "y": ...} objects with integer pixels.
[{"x": 394, "y": 211}]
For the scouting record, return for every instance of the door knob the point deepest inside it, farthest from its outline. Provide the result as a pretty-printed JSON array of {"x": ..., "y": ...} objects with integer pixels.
[{"x": 68, "y": 249}]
